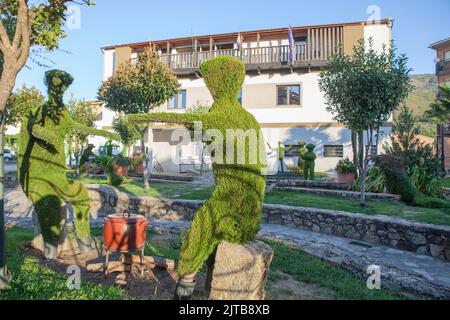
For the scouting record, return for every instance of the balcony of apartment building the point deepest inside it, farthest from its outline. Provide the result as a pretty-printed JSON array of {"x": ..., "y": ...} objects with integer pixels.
[
  {"x": 265, "y": 50},
  {"x": 443, "y": 67}
]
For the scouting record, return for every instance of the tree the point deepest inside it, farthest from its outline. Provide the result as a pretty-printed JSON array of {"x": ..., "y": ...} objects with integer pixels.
[
  {"x": 440, "y": 109},
  {"x": 362, "y": 91},
  {"x": 20, "y": 103},
  {"x": 127, "y": 132},
  {"x": 82, "y": 112},
  {"x": 21, "y": 27},
  {"x": 139, "y": 88}
]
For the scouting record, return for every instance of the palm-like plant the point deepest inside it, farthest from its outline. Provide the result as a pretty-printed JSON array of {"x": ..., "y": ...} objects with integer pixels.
[{"x": 440, "y": 109}]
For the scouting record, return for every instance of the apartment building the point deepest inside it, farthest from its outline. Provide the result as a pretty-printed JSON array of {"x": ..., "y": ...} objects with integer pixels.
[
  {"x": 442, "y": 49},
  {"x": 280, "y": 89}
]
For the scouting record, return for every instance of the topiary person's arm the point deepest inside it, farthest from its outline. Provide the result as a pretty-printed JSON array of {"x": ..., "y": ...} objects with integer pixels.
[
  {"x": 168, "y": 117},
  {"x": 93, "y": 132},
  {"x": 45, "y": 135}
]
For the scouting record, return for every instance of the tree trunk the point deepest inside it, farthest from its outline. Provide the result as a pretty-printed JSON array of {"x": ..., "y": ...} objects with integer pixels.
[
  {"x": 362, "y": 199},
  {"x": 4, "y": 277},
  {"x": 145, "y": 161},
  {"x": 355, "y": 149},
  {"x": 360, "y": 151}
]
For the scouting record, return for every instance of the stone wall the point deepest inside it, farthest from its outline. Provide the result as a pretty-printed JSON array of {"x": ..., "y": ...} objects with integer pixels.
[{"x": 417, "y": 237}]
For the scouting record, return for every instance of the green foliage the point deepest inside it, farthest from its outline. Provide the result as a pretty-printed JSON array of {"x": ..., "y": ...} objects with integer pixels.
[
  {"x": 345, "y": 166},
  {"x": 440, "y": 109},
  {"x": 301, "y": 151},
  {"x": 108, "y": 164},
  {"x": 375, "y": 180},
  {"x": 233, "y": 212},
  {"x": 309, "y": 157},
  {"x": 32, "y": 280},
  {"x": 20, "y": 103},
  {"x": 140, "y": 87},
  {"x": 87, "y": 153},
  {"x": 425, "y": 183},
  {"x": 199, "y": 109},
  {"x": 421, "y": 159},
  {"x": 126, "y": 130},
  {"x": 363, "y": 89},
  {"x": 42, "y": 162},
  {"x": 398, "y": 182}
]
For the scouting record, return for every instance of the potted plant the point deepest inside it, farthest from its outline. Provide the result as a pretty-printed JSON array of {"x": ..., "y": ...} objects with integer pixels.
[
  {"x": 345, "y": 171},
  {"x": 138, "y": 166},
  {"x": 120, "y": 164}
]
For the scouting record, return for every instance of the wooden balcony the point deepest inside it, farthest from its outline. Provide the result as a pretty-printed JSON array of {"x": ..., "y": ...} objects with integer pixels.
[{"x": 255, "y": 59}]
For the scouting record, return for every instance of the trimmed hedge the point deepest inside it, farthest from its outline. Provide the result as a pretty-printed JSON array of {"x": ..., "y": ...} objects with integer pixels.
[
  {"x": 398, "y": 182},
  {"x": 42, "y": 162}
]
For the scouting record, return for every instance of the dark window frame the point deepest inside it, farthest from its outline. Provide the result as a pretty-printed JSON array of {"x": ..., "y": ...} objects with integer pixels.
[
  {"x": 337, "y": 151},
  {"x": 287, "y": 88}
]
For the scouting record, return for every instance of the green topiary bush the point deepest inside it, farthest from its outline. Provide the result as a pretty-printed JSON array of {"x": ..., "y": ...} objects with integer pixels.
[
  {"x": 233, "y": 212},
  {"x": 398, "y": 182},
  {"x": 42, "y": 162},
  {"x": 309, "y": 158}
]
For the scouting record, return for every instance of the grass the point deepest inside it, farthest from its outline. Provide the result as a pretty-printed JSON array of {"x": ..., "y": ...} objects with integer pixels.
[
  {"x": 373, "y": 207},
  {"x": 180, "y": 190},
  {"x": 309, "y": 269},
  {"x": 444, "y": 183},
  {"x": 32, "y": 280}
]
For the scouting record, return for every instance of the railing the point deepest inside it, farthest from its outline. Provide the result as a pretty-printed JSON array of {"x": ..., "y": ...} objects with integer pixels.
[
  {"x": 442, "y": 65},
  {"x": 260, "y": 55}
]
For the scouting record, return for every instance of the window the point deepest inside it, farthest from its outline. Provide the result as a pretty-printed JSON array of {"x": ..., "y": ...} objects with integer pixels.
[
  {"x": 336, "y": 151},
  {"x": 178, "y": 101},
  {"x": 288, "y": 95},
  {"x": 447, "y": 56}
]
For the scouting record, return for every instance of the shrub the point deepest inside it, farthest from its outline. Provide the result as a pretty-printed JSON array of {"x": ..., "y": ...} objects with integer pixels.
[
  {"x": 426, "y": 183},
  {"x": 375, "y": 181},
  {"x": 107, "y": 163},
  {"x": 398, "y": 182},
  {"x": 295, "y": 169},
  {"x": 345, "y": 166}
]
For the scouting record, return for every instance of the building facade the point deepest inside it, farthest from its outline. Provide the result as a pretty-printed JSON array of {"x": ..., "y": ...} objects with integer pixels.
[
  {"x": 442, "y": 49},
  {"x": 281, "y": 86}
]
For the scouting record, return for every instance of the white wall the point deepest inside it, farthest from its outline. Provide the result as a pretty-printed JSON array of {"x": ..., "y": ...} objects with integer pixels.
[{"x": 381, "y": 34}]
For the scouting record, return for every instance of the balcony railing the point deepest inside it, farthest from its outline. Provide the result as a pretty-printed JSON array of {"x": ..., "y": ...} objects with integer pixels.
[
  {"x": 250, "y": 56},
  {"x": 442, "y": 65}
]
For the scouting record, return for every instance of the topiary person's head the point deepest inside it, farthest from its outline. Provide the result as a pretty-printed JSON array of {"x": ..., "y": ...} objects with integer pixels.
[
  {"x": 302, "y": 144},
  {"x": 57, "y": 82},
  {"x": 310, "y": 147},
  {"x": 223, "y": 76}
]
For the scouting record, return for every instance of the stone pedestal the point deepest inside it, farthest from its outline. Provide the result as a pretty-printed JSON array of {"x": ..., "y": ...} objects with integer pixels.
[{"x": 240, "y": 271}]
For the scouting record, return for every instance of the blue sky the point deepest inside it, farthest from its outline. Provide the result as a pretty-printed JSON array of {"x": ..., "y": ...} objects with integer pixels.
[{"x": 417, "y": 24}]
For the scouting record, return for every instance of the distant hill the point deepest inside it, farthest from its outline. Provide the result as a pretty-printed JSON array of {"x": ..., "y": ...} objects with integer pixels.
[
  {"x": 420, "y": 98},
  {"x": 424, "y": 93}
]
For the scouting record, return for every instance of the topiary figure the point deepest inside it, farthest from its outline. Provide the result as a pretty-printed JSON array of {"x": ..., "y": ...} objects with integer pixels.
[
  {"x": 398, "y": 182},
  {"x": 309, "y": 158},
  {"x": 233, "y": 212},
  {"x": 301, "y": 151},
  {"x": 281, "y": 153},
  {"x": 42, "y": 165}
]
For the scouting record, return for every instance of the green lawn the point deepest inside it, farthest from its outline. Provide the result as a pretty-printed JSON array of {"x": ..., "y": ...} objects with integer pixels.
[
  {"x": 374, "y": 207},
  {"x": 32, "y": 280},
  {"x": 181, "y": 190}
]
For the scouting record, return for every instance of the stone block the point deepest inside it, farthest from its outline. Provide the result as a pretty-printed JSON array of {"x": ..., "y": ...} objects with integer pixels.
[{"x": 240, "y": 271}]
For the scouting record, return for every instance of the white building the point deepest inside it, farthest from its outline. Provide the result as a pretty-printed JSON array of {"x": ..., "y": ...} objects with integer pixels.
[{"x": 283, "y": 94}]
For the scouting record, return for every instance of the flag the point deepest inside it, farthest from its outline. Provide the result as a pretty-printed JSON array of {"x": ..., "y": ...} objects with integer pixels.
[{"x": 291, "y": 46}]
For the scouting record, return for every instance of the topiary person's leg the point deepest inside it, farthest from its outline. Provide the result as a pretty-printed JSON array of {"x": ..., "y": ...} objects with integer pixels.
[
  {"x": 200, "y": 242},
  {"x": 78, "y": 196}
]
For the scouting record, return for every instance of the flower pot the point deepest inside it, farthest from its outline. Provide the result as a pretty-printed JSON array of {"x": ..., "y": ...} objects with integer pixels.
[
  {"x": 138, "y": 169},
  {"x": 346, "y": 178},
  {"x": 121, "y": 170}
]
